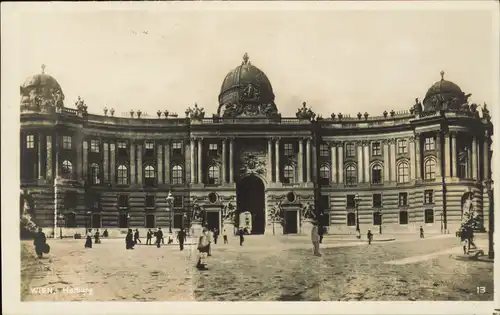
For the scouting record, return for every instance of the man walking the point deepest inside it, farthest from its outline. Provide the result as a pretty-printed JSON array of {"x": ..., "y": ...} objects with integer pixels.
[
  {"x": 149, "y": 236},
  {"x": 369, "y": 235},
  {"x": 315, "y": 238},
  {"x": 216, "y": 236},
  {"x": 421, "y": 232},
  {"x": 181, "y": 236},
  {"x": 159, "y": 237},
  {"x": 40, "y": 243},
  {"x": 224, "y": 236},
  {"x": 136, "y": 236},
  {"x": 241, "y": 232}
]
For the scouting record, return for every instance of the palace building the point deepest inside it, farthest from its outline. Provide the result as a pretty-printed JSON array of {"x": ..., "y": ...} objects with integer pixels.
[{"x": 247, "y": 165}]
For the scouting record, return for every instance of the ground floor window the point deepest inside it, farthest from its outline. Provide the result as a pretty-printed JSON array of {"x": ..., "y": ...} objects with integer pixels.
[
  {"x": 177, "y": 221},
  {"x": 123, "y": 220},
  {"x": 403, "y": 217},
  {"x": 429, "y": 216},
  {"x": 377, "y": 218},
  {"x": 351, "y": 219},
  {"x": 325, "y": 219},
  {"x": 150, "y": 221},
  {"x": 70, "y": 220},
  {"x": 96, "y": 221}
]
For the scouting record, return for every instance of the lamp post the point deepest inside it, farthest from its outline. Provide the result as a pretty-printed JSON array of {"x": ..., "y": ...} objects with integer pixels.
[
  {"x": 491, "y": 221},
  {"x": 89, "y": 222},
  {"x": 380, "y": 225},
  {"x": 128, "y": 220},
  {"x": 441, "y": 213},
  {"x": 169, "y": 199},
  {"x": 357, "y": 201},
  {"x": 60, "y": 218}
]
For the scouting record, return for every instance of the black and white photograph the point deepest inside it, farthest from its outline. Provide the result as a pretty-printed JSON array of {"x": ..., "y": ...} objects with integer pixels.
[{"x": 250, "y": 152}]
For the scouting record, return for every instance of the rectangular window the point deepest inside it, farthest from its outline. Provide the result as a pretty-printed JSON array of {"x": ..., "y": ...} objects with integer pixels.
[
  {"x": 150, "y": 202},
  {"x": 123, "y": 201},
  {"x": 67, "y": 141},
  {"x": 122, "y": 145},
  {"x": 288, "y": 149},
  {"x": 350, "y": 201},
  {"x": 430, "y": 144},
  {"x": 178, "y": 201},
  {"x": 123, "y": 220},
  {"x": 325, "y": 219},
  {"x": 377, "y": 200},
  {"x": 376, "y": 150},
  {"x": 212, "y": 149},
  {"x": 403, "y": 217},
  {"x": 377, "y": 218},
  {"x": 94, "y": 146},
  {"x": 351, "y": 219},
  {"x": 149, "y": 145},
  {"x": 429, "y": 216},
  {"x": 403, "y": 199},
  {"x": 325, "y": 202},
  {"x": 350, "y": 149},
  {"x": 324, "y": 150},
  {"x": 177, "y": 221},
  {"x": 30, "y": 142},
  {"x": 150, "y": 221},
  {"x": 429, "y": 197},
  {"x": 177, "y": 148},
  {"x": 402, "y": 146}
]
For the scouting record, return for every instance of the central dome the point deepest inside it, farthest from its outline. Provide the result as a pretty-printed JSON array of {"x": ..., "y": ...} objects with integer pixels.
[
  {"x": 246, "y": 92},
  {"x": 41, "y": 89}
]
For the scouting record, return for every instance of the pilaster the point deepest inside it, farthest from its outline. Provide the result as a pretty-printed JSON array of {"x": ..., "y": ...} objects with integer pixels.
[
  {"x": 112, "y": 162},
  {"x": 139, "y": 164},
  {"x": 359, "y": 147},
  {"x": 333, "y": 153},
  {"x": 300, "y": 165},
  {"x": 366, "y": 159},
  {"x": 159, "y": 162},
  {"x": 105, "y": 164},
  {"x": 387, "y": 161},
  {"x": 340, "y": 146},
  {"x": 231, "y": 160},
  {"x": 393, "y": 169},
  {"x": 132, "y": 164},
  {"x": 277, "y": 156}
]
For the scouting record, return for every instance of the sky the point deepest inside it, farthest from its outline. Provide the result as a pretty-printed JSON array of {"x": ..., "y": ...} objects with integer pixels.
[{"x": 335, "y": 60}]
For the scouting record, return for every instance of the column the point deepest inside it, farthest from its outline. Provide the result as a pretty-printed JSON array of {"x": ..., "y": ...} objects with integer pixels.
[
  {"x": 392, "y": 154},
  {"x": 366, "y": 157},
  {"x": 308, "y": 160},
  {"x": 84, "y": 158},
  {"x": 439, "y": 155},
  {"x": 200, "y": 161},
  {"x": 139, "y": 164},
  {"x": 418, "y": 157},
  {"x": 411, "y": 146},
  {"x": 474, "y": 158},
  {"x": 277, "y": 153},
  {"x": 341, "y": 161},
  {"x": 40, "y": 156},
  {"x": 48, "y": 165},
  {"x": 269, "y": 168},
  {"x": 223, "y": 160},
  {"x": 333, "y": 152},
  {"x": 454, "y": 169},
  {"x": 231, "y": 160},
  {"x": 486, "y": 158},
  {"x": 105, "y": 165},
  {"x": 166, "y": 159},
  {"x": 112, "y": 162},
  {"x": 469, "y": 160},
  {"x": 191, "y": 157},
  {"x": 132, "y": 163},
  {"x": 57, "y": 148},
  {"x": 159, "y": 159},
  {"x": 79, "y": 162},
  {"x": 359, "y": 146},
  {"x": 447, "y": 156},
  {"x": 387, "y": 161},
  {"x": 300, "y": 166}
]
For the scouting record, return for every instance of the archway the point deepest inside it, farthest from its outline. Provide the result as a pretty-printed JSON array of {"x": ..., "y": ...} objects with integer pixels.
[{"x": 250, "y": 197}]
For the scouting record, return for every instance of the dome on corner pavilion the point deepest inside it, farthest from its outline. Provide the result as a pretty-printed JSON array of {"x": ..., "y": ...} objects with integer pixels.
[
  {"x": 39, "y": 85},
  {"x": 443, "y": 91}
]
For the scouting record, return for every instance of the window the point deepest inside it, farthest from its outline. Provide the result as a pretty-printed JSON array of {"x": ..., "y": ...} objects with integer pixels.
[
  {"x": 177, "y": 221},
  {"x": 462, "y": 166},
  {"x": 149, "y": 145},
  {"x": 377, "y": 200},
  {"x": 149, "y": 175},
  {"x": 213, "y": 175},
  {"x": 150, "y": 202},
  {"x": 403, "y": 217},
  {"x": 123, "y": 220},
  {"x": 288, "y": 174},
  {"x": 67, "y": 169},
  {"x": 122, "y": 145},
  {"x": 212, "y": 149},
  {"x": 177, "y": 175},
  {"x": 150, "y": 221},
  {"x": 350, "y": 149},
  {"x": 429, "y": 216},
  {"x": 324, "y": 150},
  {"x": 70, "y": 220},
  {"x": 429, "y": 197},
  {"x": 177, "y": 148},
  {"x": 403, "y": 173},
  {"x": 351, "y": 219},
  {"x": 95, "y": 175},
  {"x": 123, "y": 201},
  {"x": 67, "y": 142},
  {"x": 96, "y": 221},
  {"x": 403, "y": 199},
  {"x": 376, "y": 174},
  {"x": 430, "y": 169},
  {"x": 94, "y": 146},
  {"x": 350, "y": 175},
  {"x": 288, "y": 149},
  {"x": 30, "y": 142},
  {"x": 351, "y": 203},
  {"x": 430, "y": 144},
  {"x": 324, "y": 174},
  {"x": 377, "y": 218},
  {"x": 324, "y": 202},
  {"x": 70, "y": 200},
  {"x": 402, "y": 146},
  {"x": 122, "y": 175},
  {"x": 376, "y": 150},
  {"x": 325, "y": 219},
  {"x": 178, "y": 201}
]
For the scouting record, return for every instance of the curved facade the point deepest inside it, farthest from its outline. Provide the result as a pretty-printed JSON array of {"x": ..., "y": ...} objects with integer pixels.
[{"x": 248, "y": 166}]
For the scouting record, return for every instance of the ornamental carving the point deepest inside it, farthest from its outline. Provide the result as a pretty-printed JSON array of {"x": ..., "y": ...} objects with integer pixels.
[
  {"x": 276, "y": 212},
  {"x": 411, "y": 139},
  {"x": 196, "y": 113},
  {"x": 252, "y": 164},
  {"x": 305, "y": 112},
  {"x": 307, "y": 212},
  {"x": 229, "y": 212},
  {"x": 250, "y": 92}
]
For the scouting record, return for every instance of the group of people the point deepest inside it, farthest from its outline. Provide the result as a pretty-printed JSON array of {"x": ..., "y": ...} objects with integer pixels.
[
  {"x": 97, "y": 237},
  {"x": 466, "y": 234}
]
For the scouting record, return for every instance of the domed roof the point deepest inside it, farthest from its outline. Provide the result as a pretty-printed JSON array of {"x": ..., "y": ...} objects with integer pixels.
[
  {"x": 41, "y": 88},
  {"x": 441, "y": 92},
  {"x": 246, "y": 91}
]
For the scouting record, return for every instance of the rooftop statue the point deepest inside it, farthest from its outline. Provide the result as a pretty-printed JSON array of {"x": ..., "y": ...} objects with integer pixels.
[
  {"x": 305, "y": 113},
  {"x": 195, "y": 112}
]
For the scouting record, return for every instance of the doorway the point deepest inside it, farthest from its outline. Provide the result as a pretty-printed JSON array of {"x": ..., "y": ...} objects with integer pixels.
[
  {"x": 291, "y": 222},
  {"x": 250, "y": 197},
  {"x": 213, "y": 220}
]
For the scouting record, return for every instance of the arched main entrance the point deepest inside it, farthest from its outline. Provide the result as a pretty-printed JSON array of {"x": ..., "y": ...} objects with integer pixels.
[{"x": 250, "y": 197}]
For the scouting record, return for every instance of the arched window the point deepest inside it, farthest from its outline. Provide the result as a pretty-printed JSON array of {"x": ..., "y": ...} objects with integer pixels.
[
  {"x": 177, "y": 177},
  {"x": 430, "y": 169},
  {"x": 149, "y": 175},
  {"x": 67, "y": 169},
  {"x": 324, "y": 174},
  {"x": 350, "y": 175},
  {"x": 403, "y": 173},
  {"x": 288, "y": 174},
  {"x": 213, "y": 175},
  {"x": 95, "y": 174},
  {"x": 376, "y": 174},
  {"x": 122, "y": 175},
  {"x": 351, "y": 219}
]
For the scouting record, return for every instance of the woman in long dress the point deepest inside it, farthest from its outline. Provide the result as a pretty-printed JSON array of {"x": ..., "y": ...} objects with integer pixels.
[
  {"x": 88, "y": 243},
  {"x": 203, "y": 248},
  {"x": 129, "y": 240}
]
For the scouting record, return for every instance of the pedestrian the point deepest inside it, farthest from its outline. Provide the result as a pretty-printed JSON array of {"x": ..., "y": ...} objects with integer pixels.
[
  {"x": 136, "y": 236},
  {"x": 40, "y": 242},
  {"x": 315, "y": 238},
  {"x": 241, "y": 232},
  {"x": 465, "y": 241},
  {"x": 129, "y": 240},
  {"x": 216, "y": 235},
  {"x": 149, "y": 236},
  {"x": 369, "y": 235},
  {"x": 421, "y": 232},
  {"x": 321, "y": 232},
  {"x": 88, "y": 242},
  {"x": 358, "y": 234},
  {"x": 210, "y": 236},
  {"x": 105, "y": 233},
  {"x": 159, "y": 237},
  {"x": 203, "y": 244},
  {"x": 170, "y": 239},
  {"x": 224, "y": 236},
  {"x": 96, "y": 236},
  {"x": 181, "y": 237}
]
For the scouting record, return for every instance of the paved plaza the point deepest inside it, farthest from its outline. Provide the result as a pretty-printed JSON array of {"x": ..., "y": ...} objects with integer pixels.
[{"x": 266, "y": 268}]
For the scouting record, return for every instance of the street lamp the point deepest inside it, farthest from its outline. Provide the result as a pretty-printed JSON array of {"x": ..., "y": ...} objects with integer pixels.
[
  {"x": 60, "y": 218},
  {"x": 89, "y": 222},
  {"x": 128, "y": 220},
  {"x": 380, "y": 225},
  {"x": 169, "y": 199},
  {"x": 357, "y": 201}
]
